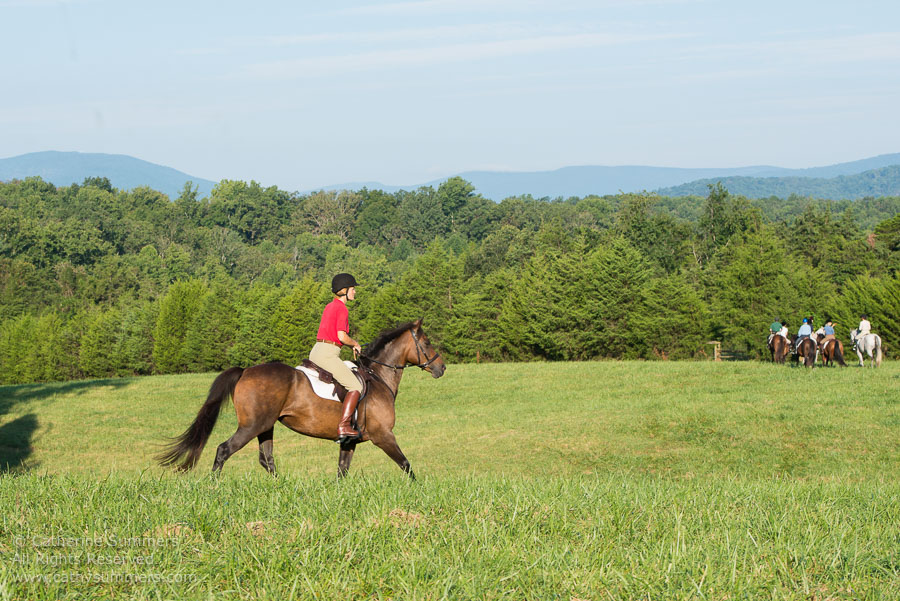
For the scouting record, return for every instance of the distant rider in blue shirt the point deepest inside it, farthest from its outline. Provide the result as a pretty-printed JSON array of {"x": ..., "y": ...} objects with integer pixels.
[{"x": 805, "y": 331}]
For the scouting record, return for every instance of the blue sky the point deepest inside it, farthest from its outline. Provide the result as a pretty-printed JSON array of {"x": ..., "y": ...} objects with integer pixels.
[{"x": 301, "y": 94}]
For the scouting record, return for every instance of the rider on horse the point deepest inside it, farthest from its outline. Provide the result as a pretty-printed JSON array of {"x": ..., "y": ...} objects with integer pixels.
[
  {"x": 332, "y": 335},
  {"x": 805, "y": 331},
  {"x": 865, "y": 328},
  {"x": 773, "y": 330},
  {"x": 866, "y": 341}
]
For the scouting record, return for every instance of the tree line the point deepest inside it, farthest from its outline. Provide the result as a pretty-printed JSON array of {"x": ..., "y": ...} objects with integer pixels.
[{"x": 99, "y": 282}]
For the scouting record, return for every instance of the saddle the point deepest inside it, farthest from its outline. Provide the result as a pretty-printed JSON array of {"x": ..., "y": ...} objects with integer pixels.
[
  {"x": 324, "y": 384},
  {"x": 795, "y": 347},
  {"x": 859, "y": 339}
]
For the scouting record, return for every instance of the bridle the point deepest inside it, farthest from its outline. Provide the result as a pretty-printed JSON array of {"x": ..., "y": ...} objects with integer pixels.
[{"x": 420, "y": 352}]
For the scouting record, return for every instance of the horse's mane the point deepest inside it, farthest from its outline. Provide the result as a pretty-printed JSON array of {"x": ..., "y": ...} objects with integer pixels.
[{"x": 382, "y": 340}]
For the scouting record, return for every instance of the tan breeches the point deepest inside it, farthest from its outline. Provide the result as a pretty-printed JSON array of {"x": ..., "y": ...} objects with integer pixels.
[{"x": 328, "y": 357}]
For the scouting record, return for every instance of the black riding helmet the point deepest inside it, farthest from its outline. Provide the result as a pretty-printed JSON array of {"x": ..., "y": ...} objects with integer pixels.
[{"x": 341, "y": 281}]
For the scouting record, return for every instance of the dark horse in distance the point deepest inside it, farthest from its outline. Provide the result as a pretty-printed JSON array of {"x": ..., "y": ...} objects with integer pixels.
[
  {"x": 806, "y": 350},
  {"x": 780, "y": 347},
  {"x": 264, "y": 394},
  {"x": 832, "y": 350}
]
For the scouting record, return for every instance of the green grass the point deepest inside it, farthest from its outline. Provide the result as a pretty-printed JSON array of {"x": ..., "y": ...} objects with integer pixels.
[{"x": 609, "y": 480}]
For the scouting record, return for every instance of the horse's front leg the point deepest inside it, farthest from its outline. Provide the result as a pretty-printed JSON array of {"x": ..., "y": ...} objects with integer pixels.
[
  {"x": 388, "y": 443},
  {"x": 345, "y": 457},
  {"x": 862, "y": 362}
]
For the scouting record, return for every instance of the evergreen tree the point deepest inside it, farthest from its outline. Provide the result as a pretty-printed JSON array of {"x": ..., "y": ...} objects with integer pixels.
[
  {"x": 177, "y": 310},
  {"x": 426, "y": 290},
  {"x": 212, "y": 333},
  {"x": 542, "y": 309},
  {"x": 672, "y": 320},
  {"x": 135, "y": 337},
  {"x": 297, "y": 320},
  {"x": 473, "y": 332},
  {"x": 98, "y": 350},
  {"x": 58, "y": 348},
  {"x": 616, "y": 276},
  {"x": 256, "y": 337},
  {"x": 18, "y": 338},
  {"x": 721, "y": 217},
  {"x": 879, "y": 298},
  {"x": 756, "y": 281}
]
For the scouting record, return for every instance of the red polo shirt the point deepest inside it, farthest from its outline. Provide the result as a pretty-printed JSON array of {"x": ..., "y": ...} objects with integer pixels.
[{"x": 335, "y": 318}]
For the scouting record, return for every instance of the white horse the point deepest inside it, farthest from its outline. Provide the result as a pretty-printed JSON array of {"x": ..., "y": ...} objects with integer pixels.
[{"x": 870, "y": 344}]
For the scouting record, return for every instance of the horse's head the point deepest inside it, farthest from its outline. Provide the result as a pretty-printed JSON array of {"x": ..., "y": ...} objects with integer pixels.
[
  {"x": 420, "y": 353},
  {"x": 406, "y": 345}
]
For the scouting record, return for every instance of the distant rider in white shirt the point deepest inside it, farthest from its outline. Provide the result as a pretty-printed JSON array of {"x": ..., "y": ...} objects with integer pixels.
[{"x": 865, "y": 328}]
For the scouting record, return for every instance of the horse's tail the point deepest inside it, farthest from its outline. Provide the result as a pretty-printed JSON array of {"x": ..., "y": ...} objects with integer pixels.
[
  {"x": 838, "y": 354},
  {"x": 877, "y": 351},
  {"x": 190, "y": 444},
  {"x": 778, "y": 348}
]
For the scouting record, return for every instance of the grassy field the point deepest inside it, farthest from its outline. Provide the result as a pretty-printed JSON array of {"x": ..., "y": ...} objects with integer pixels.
[{"x": 609, "y": 480}]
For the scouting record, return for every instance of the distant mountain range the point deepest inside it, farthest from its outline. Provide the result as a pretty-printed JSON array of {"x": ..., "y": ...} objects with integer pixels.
[
  {"x": 876, "y": 176},
  {"x": 124, "y": 172},
  {"x": 588, "y": 180},
  {"x": 876, "y": 182}
]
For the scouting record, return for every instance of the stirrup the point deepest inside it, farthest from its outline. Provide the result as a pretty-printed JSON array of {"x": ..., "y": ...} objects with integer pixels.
[{"x": 348, "y": 438}]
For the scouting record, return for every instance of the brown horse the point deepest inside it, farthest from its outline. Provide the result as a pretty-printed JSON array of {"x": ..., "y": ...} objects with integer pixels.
[
  {"x": 264, "y": 394},
  {"x": 780, "y": 347},
  {"x": 832, "y": 350},
  {"x": 806, "y": 349}
]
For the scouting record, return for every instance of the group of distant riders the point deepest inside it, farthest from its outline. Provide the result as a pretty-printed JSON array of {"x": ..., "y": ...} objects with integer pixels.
[{"x": 807, "y": 345}]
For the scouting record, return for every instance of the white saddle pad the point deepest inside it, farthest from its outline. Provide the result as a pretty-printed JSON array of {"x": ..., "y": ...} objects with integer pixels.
[{"x": 322, "y": 389}]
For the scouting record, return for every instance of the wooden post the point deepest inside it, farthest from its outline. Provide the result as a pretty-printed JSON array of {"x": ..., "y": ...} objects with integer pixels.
[{"x": 717, "y": 349}]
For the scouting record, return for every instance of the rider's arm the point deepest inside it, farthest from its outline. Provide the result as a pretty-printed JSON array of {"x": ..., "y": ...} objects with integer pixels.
[{"x": 344, "y": 337}]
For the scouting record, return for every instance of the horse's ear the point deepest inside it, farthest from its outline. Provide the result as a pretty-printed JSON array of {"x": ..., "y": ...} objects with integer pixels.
[{"x": 418, "y": 323}]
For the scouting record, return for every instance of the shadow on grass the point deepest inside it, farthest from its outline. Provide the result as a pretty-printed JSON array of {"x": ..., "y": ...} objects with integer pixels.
[
  {"x": 10, "y": 396},
  {"x": 15, "y": 444},
  {"x": 17, "y": 435}
]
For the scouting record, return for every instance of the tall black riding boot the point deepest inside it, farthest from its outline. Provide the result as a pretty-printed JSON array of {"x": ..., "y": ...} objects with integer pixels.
[{"x": 344, "y": 428}]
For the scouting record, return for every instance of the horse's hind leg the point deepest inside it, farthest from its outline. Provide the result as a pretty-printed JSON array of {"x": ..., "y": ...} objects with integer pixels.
[
  {"x": 266, "y": 459},
  {"x": 388, "y": 444},
  {"x": 232, "y": 446},
  {"x": 345, "y": 457}
]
